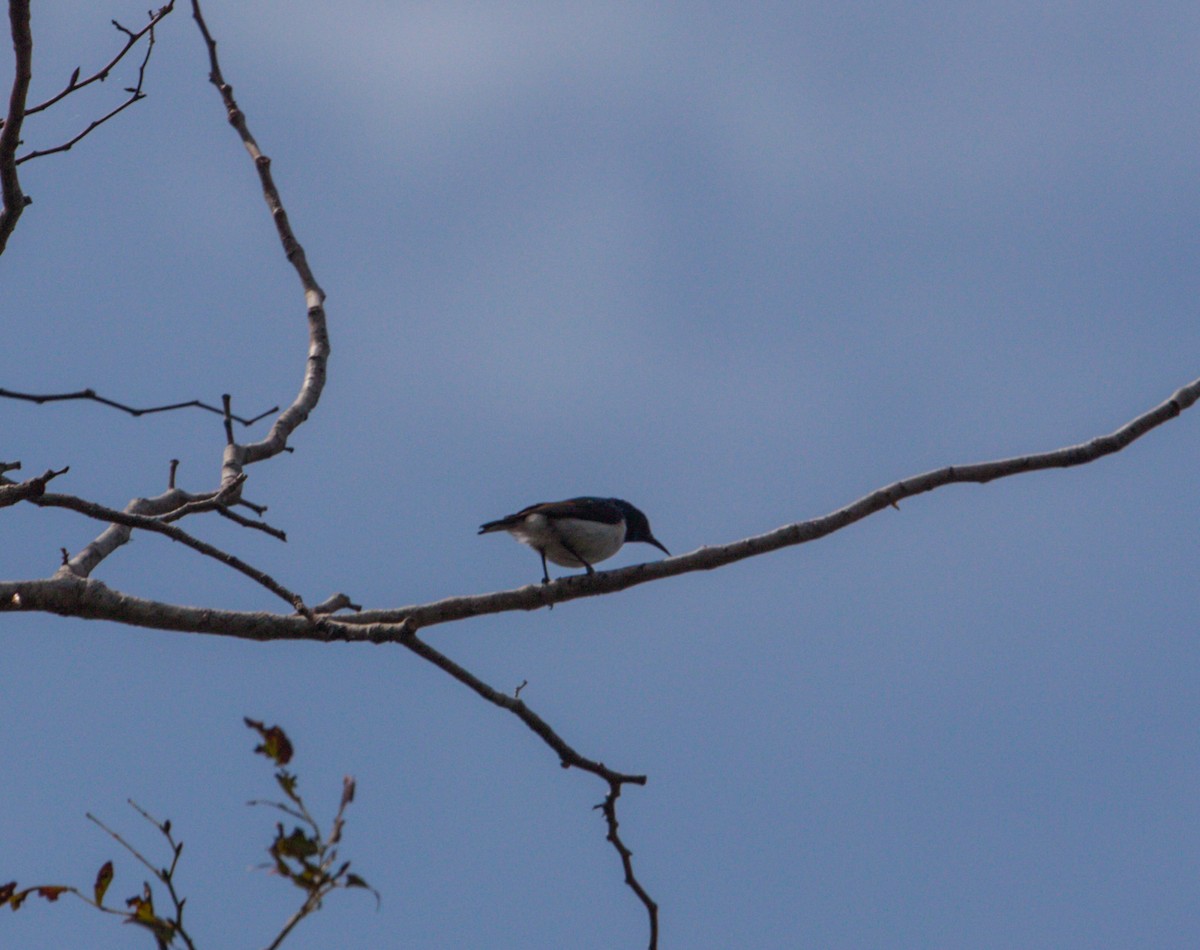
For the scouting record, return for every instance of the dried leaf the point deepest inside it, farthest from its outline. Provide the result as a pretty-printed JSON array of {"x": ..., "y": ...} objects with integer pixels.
[
  {"x": 287, "y": 781},
  {"x": 143, "y": 906},
  {"x": 295, "y": 845},
  {"x": 103, "y": 878},
  {"x": 276, "y": 744}
]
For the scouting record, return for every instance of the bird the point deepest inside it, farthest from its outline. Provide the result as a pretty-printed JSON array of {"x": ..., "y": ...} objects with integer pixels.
[{"x": 578, "y": 532}]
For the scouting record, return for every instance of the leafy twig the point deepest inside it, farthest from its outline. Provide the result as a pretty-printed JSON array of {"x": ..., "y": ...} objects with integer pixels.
[
  {"x": 142, "y": 906},
  {"x": 307, "y": 858}
]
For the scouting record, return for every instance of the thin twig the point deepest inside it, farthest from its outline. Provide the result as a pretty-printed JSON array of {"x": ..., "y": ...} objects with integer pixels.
[
  {"x": 163, "y": 875},
  {"x": 334, "y": 603},
  {"x": 223, "y": 497},
  {"x": 568, "y": 757},
  {"x": 111, "y": 515},
  {"x": 74, "y": 84},
  {"x": 135, "y": 92},
  {"x": 91, "y": 394},
  {"x": 248, "y": 523},
  {"x": 167, "y": 875},
  {"x": 227, "y": 412},
  {"x": 609, "y": 809},
  {"x": 311, "y": 903},
  {"x": 135, "y": 96},
  {"x": 13, "y": 492},
  {"x": 123, "y": 843}
]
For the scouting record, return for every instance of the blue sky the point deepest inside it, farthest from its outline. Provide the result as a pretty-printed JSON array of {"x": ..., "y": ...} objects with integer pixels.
[{"x": 737, "y": 265}]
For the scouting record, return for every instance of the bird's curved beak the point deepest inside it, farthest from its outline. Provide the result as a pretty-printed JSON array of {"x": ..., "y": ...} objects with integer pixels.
[{"x": 661, "y": 547}]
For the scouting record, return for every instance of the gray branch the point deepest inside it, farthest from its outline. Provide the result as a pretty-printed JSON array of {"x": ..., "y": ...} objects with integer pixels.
[
  {"x": 89, "y": 599},
  {"x": 173, "y": 504}
]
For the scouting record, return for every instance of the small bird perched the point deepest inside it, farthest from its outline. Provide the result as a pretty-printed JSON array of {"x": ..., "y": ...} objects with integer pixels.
[{"x": 578, "y": 532}]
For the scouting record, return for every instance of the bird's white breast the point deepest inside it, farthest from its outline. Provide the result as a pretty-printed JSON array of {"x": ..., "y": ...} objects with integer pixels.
[{"x": 593, "y": 540}]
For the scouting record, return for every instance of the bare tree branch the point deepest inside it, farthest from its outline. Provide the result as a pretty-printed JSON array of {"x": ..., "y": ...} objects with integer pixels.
[
  {"x": 567, "y": 756},
  {"x": 609, "y": 809},
  {"x": 233, "y": 516},
  {"x": 135, "y": 91},
  {"x": 237, "y": 456},
  {"x": 14, "y": 200},
  {"x": 33, "y": 488},
  {"x": 173, "y": 504},
  {"x": 88, "y": 599},
  {"x": 73, "y": 592},
  {"x": 118, "y": 533},
  {"x": 334, "y": 603},
  {"x": 135, "y": 94},
  {"x": 79, "y": 597},
  {"x": 74, "y": 84},
  {"x": 91, "y": 394}
]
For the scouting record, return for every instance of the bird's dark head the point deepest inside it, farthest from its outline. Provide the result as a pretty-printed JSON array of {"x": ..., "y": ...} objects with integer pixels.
[{"x": 637, "y": 526}]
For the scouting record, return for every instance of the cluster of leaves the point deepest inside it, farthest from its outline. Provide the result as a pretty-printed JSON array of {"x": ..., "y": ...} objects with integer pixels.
[{"x": 305, "y": 856}]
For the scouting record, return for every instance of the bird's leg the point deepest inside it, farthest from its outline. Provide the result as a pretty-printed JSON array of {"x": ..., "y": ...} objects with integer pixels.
[
  {"x": 571, "y": 551},
  {"x": 575, "y": 554},
  {"x": 545, "y": 570}
]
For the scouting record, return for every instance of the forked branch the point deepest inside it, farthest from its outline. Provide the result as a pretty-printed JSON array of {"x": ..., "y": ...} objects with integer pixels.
[
  {"x": 134, "y": 92},
  {"x": 74, "y": 84},
  {"x": 95, "y": 601}
]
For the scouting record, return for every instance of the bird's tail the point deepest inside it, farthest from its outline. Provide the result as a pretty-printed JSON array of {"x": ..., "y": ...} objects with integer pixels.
[{"x": 502, "y": 525}]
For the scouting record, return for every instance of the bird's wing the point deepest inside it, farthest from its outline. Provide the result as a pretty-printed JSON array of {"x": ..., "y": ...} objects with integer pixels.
[
  {"x": 513, "y": 520},
  {"x": 585, "y": 509}
]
